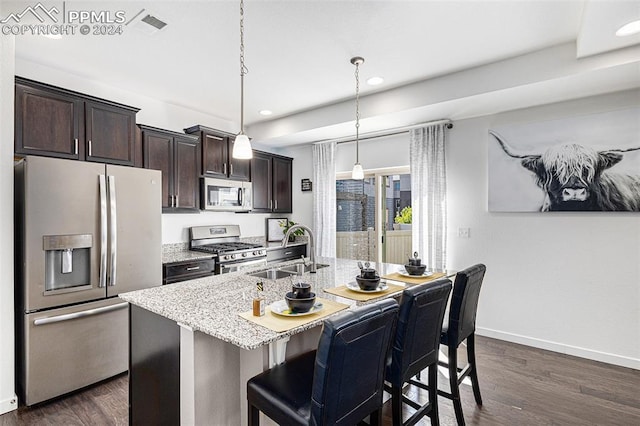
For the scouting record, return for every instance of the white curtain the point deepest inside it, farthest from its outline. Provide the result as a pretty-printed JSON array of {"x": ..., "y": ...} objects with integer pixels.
[
  {"x": 429, "y": 195},
  {"x": 324, "y": 198}
]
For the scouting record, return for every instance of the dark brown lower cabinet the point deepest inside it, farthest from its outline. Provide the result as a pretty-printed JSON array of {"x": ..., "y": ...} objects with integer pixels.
[
  {"x": 154, "y": 369},
  {"x": 177, "y": 156}
]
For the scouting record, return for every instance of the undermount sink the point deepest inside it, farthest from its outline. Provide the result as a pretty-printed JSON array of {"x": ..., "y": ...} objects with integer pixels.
[
  {"x": 292, "y": 268},
  {"x": 272, "y": 274}
]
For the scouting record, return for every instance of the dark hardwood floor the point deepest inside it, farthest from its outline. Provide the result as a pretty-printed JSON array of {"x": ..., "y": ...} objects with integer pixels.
[{"x": 520, "y": 386}]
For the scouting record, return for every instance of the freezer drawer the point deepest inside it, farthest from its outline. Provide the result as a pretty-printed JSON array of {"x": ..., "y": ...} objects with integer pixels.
[{"x": 68, "y": 348}]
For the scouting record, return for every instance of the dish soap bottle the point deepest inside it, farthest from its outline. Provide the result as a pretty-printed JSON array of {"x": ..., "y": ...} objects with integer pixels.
[{"x": 258, "y": 301}]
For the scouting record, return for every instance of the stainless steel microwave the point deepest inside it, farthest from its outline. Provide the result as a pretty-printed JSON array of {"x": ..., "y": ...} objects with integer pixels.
[{"x": 225, "y": 195}]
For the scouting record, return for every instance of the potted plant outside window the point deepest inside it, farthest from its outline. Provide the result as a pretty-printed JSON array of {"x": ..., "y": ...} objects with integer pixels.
[{"x": 403, "y": 219}]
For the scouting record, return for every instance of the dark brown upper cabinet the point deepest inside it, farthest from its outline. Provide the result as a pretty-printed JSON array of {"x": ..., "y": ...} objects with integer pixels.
[
  {"x": 271, "y": 182},
  {"x": 217, "y": 160},
  {"x": 55, "y": 122},
  {"x": 177, "y": 156}
]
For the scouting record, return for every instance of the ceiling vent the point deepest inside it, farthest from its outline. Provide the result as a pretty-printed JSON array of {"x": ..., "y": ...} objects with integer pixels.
[{"x": 147, "y": 23}]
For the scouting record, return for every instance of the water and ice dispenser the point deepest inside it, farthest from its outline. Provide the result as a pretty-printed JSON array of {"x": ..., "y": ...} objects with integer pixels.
[{"x": 67, "y": 262}]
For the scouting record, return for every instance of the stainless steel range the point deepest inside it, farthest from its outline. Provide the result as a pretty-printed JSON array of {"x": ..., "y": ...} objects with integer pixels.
[{"x": 224, "y": 241}]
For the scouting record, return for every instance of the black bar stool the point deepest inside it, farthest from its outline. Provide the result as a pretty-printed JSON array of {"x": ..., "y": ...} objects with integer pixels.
[
  {"x": 461, "y": 326},
  {"x": 416, "y": 347},
  {"x": 339, "y": 384}
]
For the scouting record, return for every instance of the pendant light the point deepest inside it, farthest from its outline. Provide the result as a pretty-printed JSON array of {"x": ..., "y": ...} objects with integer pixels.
[
  {"x": 242, "y": 145},
  {"x": 357, "y": 172}
]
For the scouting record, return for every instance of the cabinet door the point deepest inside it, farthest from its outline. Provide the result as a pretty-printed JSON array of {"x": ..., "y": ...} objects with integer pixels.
[
  {"x": 158, "y": 155},
  {"x": 282, "y": 176},
  {"x": 48, "y": 123},
  {"x": 261, "y": 182},
  {"x": 186, "y": 177},
  {"x": 214, "y": 155},
  {"x": 110, "y": 134},
  {"x": 238, "y": 169}
]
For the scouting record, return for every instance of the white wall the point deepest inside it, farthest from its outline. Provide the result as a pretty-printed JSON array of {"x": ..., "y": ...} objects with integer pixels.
[
  {"x": 8, "y": 400},
  {"x": 567, "y": 282},
  {"x": 153, "y": 112}
]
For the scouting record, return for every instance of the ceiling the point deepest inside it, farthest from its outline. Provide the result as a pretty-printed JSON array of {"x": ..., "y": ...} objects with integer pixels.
[{"x": 298, "y": 52}]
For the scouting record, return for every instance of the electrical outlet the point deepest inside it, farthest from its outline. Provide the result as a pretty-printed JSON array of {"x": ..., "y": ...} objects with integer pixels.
[{"x": 464, "y": 232}]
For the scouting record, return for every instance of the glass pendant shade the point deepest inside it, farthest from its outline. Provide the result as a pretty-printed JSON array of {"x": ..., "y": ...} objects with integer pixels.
[
  {"x": 357, "y": 172},
  {"x": 242, "y": 147}
]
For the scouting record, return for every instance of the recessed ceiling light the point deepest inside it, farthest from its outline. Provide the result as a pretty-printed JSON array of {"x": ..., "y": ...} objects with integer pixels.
[
  {"x": 265, "y": 112},
  {"x": 374, "y": 81},
  {"x": 631, "y": 28}
]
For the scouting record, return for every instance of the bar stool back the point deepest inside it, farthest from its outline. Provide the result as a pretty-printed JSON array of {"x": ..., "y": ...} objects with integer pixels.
[
  {"x": 461, "y": 326},
  {"x": 416, "y": 347},
  {"x": 339, "y": 384}
]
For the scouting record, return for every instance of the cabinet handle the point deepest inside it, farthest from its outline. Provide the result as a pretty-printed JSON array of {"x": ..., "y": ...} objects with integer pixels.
[
  {"x": 90, "y": 148},
  {"x": 175, "y": 197},
  {"x": 75, "y": 143},
  {"x": 214, "y": 137},
  {"x": 193, "y": 268},
  {"x": 270, "y": 204},
  {"x": 276, "y": 205},
  {"x": 210, "y": 172},
  {"x": 224, "y": 166},
  {"x": 170, "y": 200},
  {"x": 231, "y": 167}
]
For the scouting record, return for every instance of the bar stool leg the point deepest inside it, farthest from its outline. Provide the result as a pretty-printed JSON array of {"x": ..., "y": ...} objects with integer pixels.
[
  {"x": 396, "y": 405},
  {"x": 253, "y": 418},
  {"x": 375, "y": 419},
  {"x": 433, "y": 395},
  {"x": 471, "y": 355},
  {"x": 453, "y": 383}
]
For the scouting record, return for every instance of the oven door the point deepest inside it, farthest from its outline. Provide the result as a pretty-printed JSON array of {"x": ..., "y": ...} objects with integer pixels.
[
  {"x": 225, "y": 195},
  {"x": 235, "y": 267}
]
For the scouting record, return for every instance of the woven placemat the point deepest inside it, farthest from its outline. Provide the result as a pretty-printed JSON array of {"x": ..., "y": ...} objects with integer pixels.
[
  {"x": 279, "y": 323},
  {"x": 413, "y": 280},
  {"x": 343, "y": 291}
]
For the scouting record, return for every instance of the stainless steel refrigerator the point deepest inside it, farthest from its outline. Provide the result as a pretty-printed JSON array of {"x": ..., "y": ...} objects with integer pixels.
[{"x": 85, "y": 232}]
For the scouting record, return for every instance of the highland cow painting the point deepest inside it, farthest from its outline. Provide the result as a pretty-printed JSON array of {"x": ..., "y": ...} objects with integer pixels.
[{"x": 582, "y": 163}]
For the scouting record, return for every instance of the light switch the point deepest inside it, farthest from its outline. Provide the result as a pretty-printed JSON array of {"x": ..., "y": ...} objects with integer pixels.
[{"x": 464, "y": 232}]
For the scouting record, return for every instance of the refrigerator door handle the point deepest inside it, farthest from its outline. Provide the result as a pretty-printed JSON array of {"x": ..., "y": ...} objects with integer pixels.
[
  {"x": 113, "y": 230},
  {"x": 103, "y": 232},
  {"x": 82, "y": 314}
]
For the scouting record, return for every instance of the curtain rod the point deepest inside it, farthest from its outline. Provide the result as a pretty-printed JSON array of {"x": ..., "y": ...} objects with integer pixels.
[{"x": 387, "y": 132}]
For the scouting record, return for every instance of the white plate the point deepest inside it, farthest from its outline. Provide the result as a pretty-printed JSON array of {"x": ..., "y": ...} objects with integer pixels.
[
  {"x": 426, "y": 274},
  {"x": 353, "y": 286},
  {"x": 280, "y": 307}
]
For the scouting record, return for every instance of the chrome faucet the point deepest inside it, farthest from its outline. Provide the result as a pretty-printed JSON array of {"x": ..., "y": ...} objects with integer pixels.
[{"x": 312, "y": 249}]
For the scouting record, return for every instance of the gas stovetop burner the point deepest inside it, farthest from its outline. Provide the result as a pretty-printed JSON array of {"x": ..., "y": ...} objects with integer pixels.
[
  {"x": 222, "y": 240},
  {"x": 225, "y": 247}
]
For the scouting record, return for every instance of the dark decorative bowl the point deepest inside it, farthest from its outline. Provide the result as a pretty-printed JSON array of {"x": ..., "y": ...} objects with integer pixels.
[
  {"x": 415, "y": 270},
  {"x": 300, "y": 306},
  {"x": 368, "y": 284}
]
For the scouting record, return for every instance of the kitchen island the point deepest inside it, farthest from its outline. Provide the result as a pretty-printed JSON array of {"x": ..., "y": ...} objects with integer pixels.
[{"x": 191, "y": 353}]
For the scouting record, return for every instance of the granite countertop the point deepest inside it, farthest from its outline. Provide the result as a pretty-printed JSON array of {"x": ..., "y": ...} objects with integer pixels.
[
  {"x": 211, "y": 304},
  {"x": 180, "y": 252}
]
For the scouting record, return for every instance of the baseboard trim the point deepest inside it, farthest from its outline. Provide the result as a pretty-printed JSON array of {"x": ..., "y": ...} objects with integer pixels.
[
  {"x": 8, "y": 404},
  {"x": 608, "y": 358}
]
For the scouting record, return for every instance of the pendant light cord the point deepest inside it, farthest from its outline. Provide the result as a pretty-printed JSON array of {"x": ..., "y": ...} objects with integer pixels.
[
  {"x": 357, "y": 111},
  {"x": 243, "y": 69}
]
